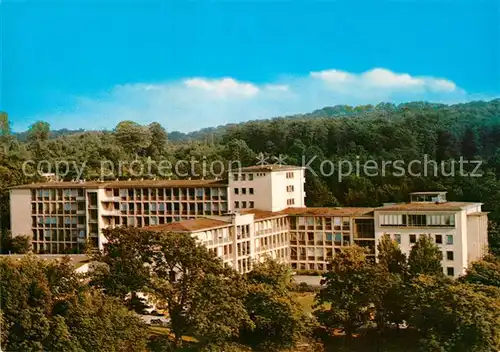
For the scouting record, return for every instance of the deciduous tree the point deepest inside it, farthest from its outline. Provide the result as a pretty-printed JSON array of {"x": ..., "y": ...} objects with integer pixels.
[{"x": 425, "y": 257}]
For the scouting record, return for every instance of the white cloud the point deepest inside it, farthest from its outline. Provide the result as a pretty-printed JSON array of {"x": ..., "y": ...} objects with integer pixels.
[
  {"x": 332, "y": 76},
  {"x": 199, "y": 102},
  {"x": 223, "y": 87},
  {"x": 382, "y": 78}
]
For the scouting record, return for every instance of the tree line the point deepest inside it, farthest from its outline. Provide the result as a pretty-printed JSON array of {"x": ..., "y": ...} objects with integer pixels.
[{"x": 396, "y": 304}]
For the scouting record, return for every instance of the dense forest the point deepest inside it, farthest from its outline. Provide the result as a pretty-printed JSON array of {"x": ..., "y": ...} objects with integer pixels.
[{"x": 420, "y": 131}]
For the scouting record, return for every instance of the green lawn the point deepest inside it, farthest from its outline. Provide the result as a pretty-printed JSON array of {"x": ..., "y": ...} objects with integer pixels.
[{"x": 306, "y": 301}]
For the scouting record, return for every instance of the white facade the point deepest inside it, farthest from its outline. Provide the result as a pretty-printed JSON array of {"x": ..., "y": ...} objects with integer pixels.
[
  {"x": 268, "y": 187},
  {"x": 240, "y": 239},
  {"x": 20, "y": 211},
  {"x": 459, "y": 229}
]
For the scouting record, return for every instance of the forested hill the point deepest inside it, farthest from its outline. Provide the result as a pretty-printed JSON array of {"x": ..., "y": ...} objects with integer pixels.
[
  {"x": 337, "y": 111},
  {"x": 415, "y": 132}
]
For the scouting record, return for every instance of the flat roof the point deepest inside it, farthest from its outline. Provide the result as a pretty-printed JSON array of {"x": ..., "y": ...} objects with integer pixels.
[
  {"x": 263, "y": 214},
  {"x": 191, "y": 225},
  {"x": 428, "y": 192},
  {"x": 416, "y": 206},
  {"x": 479, "y": 213},
  {"x": 125, "y": 184},
  {"x": 269, "y": 168},
  {"x": 329, "y": 211}
]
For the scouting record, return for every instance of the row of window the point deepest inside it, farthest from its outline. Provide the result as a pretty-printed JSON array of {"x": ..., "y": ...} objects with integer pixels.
[
  {"x": 274, "y": 240},
  {"x": 290, "y": 188},
  {"x": 56, "y": 193},
  {"x": 60, "y": 221},
  {"x": 244, "y": 205},
  {"x": 289, "y": 174},
  {"x": 437, "y": 238},
  {"x": 44, "y": 208},
  {"x": 290, "y": 201},
  {"x": 320, "y": 222},
  {"x": 191, "y": 208},
  {"x": 244, "y": 191},
  {"x": 243, "y": 177},
  {"x": 57, "y": 235},
  {"x": 320, "y": 237},
  {"x": 446, "y": 220},
  {"x": 145, "y": 193},
  {"x": 271, "y": 224}
]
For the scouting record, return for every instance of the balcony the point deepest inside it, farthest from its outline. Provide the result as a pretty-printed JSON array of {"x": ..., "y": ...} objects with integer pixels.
[{"x": 111, "y": 212}]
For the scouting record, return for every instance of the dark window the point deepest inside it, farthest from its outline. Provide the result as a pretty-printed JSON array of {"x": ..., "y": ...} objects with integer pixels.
[
  {"x": 413, "y": 238},
  {"x": 449, "y": 255},
  {"x": 450, "y": 271},
  {"x": 417, "y": 220},
  {"x": 439, "y": 239}
]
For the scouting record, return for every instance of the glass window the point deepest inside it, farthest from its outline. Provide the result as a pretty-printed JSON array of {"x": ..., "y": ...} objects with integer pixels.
[
  {"x": 413, "y": 238},
  {"x": 338, "y": 237},
  {"x": 439, "y": 239},
  {"x": 397, "y": 238},
  {"x": 449, "y": 239},
  {"x": 450, "y": 271}
]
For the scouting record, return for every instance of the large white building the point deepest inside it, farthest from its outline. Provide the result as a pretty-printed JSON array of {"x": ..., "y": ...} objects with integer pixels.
[
  {"x": 258, "y": 211},
  {"x": 458, "y": 228}
]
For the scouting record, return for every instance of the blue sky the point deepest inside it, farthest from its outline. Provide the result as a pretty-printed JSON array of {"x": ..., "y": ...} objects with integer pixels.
[{"x": 193, "y": 64}]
